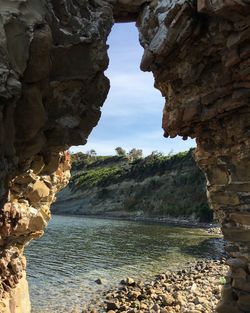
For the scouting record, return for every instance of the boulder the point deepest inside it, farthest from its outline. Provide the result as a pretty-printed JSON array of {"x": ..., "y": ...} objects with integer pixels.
[{"x": 39, "y": 191}]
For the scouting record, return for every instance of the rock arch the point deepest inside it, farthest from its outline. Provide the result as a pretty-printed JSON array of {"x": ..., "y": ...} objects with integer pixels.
[{"x": 52, "y": 58}]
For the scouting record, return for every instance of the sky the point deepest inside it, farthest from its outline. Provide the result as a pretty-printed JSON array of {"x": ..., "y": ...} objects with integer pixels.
[{"x": 132, "y": 114}]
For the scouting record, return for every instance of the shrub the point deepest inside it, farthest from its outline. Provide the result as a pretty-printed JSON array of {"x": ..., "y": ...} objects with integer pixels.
[{"x": 98, "y": 177}]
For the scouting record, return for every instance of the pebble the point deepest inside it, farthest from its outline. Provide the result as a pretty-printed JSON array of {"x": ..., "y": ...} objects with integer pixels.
[{"x": 194, "y": 289}]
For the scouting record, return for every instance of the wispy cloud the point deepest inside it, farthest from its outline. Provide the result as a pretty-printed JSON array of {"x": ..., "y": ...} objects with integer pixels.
[
  {"x": 132, "y": 94},
  {"x": 137, "y": 85},
  {"x": 131, "y": 116}
]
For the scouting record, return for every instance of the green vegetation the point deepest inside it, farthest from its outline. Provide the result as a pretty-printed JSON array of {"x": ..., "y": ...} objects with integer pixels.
[
  {"x": 105, "y": 170},
  {"x": 99, "y": 176},
  {"x": 157, "y": 185},
  {"x": 86, "y": 158}
]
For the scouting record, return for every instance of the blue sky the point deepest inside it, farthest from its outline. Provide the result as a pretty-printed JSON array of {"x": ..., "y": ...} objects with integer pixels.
[{"x": 132, "y": 113}]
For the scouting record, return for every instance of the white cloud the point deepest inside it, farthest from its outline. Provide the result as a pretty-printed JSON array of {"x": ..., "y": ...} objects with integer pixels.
[
  {"x": 136, "y": 85},
  {"x": 132, "y": 94}
]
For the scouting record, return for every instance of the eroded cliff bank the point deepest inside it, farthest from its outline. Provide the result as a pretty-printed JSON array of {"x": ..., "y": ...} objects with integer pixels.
[{"x": 151, "y": 187}]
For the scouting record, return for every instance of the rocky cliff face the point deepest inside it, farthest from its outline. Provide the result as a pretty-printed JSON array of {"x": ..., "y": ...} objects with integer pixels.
[
  {"x": 52, "y": 58},
  {"x": 153, "y": 187},
  {"x": 199, "y": 54}
]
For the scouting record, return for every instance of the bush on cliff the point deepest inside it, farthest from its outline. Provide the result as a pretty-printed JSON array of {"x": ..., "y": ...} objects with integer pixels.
[{"x": 97, "y": 177}]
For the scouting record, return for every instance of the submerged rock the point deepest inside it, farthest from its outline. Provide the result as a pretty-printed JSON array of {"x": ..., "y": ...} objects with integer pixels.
[
  {"x": 195, "y": 288},
  {"x": 99, "y": 281}
]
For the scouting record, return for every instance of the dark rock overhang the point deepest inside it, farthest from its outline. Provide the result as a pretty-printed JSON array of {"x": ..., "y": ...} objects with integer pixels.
[{"x": 127, "y": 11}]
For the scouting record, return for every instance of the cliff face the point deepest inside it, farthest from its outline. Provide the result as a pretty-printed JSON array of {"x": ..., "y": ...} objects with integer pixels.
[
  {"x": 152, "y": 187},
  {"x": 52, "y": 58},
  {"x": 199, "y": 54},
  {"x": 53, "y": 55}
]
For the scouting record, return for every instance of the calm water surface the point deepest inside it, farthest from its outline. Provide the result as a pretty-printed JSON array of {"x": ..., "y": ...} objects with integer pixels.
[{"x": 75, "y": 251}]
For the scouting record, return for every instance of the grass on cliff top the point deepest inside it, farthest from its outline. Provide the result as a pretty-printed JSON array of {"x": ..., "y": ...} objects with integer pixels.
[
  {"x": 98, "y": 176},
  {"x": 94, "y": 171}
]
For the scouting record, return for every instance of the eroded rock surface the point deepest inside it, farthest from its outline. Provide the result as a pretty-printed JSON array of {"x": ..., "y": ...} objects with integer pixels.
[
  {"x": 53, "y": 55},
  {"x": 52, "y": 58},
  {"x": 199, "y": 54}
]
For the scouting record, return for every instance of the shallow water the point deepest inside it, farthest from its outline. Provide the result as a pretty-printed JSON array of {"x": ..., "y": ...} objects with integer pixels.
[{"x": 75, "y": 251}]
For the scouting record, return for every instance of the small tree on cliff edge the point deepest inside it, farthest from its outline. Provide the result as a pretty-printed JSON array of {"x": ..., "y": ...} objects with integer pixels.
[
  {"x": 135, "y": 154},
  {"x": 91, "y": 155},
  {"x": 120, "y": 151}
]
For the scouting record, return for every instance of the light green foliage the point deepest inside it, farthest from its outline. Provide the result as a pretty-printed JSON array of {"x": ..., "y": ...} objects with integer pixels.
[
  {"x": 222, "y": 280},
  {"x": 98, "y": 176},
  {"x": 105, "y": 170}
]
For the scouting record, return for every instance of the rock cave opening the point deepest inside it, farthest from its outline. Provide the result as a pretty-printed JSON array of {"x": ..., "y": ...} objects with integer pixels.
[
  {"x": 132, "y": 113},
  {"x": 131, "y": 118},
  {"x": 53, "y": 57}
]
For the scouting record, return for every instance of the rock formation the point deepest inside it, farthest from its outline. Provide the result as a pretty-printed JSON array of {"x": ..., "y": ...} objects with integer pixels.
[
  {"x": 52, "y": 58},
  {"x": 199, "y": 54}
]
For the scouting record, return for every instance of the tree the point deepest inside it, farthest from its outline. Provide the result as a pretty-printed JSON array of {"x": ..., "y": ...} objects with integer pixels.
[
  {"x": 120, "y": 151},
  {"x": 91, "y": 154},
  {"x": 156, "y": 154},
  {"x": 135, "y": 154},
  {"x": 170, "y": 153},
  {"x": 79, "y": 156}
]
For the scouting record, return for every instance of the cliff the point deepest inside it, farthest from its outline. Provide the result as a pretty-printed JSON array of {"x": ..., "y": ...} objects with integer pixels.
[{"x": 155, "y": 186}]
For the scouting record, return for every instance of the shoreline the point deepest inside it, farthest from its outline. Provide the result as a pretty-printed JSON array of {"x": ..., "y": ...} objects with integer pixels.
[
  {"x": 193, "y": 288},
  {"x": 168, "y": 221}
]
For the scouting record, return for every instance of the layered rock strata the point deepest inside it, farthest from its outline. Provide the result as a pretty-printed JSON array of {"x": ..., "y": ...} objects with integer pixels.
[
  {"x": 24, "y": 217},
  {"x": 52, "y": 58},
  {"x": 199, "y": 54}
]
